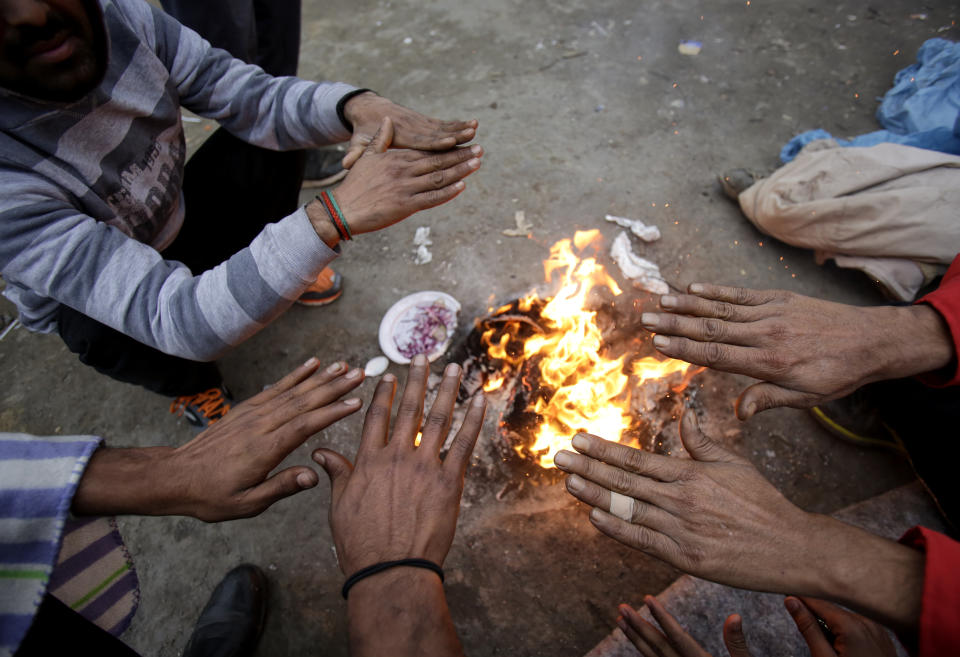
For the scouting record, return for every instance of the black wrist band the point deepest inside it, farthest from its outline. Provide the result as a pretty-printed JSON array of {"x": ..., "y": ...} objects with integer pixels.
[
  {"x": 342, "y": 103},
  {"x": 385, "y": 565}
]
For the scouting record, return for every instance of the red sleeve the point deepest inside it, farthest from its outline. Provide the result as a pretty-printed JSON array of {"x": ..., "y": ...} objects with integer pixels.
[
  {"x": 946, "y": 300},
  {"x": 939, "y": 631}
]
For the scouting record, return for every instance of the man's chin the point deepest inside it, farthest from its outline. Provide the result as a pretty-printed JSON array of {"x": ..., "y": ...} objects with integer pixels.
[{"x": 67, "y": 83}]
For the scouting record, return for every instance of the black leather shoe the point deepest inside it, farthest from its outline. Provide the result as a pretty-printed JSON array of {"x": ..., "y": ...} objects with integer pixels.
[{"x": 231, "y": 623}]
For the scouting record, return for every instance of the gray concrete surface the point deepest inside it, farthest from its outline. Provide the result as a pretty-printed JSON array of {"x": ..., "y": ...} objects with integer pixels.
[{"x": 585, "y": 108}]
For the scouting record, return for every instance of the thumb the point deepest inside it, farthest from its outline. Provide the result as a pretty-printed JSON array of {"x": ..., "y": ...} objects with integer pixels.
[
  {"x": 809, "y": 628},
  {"x": 283, "y": 484},
  {"x": 383, "y": 138},
  {"x": 762, "y": 396},
  {"x": 733, "y": 637},
  {"x": 696, "y": 442},
  {"x": 338, "y": 469}
]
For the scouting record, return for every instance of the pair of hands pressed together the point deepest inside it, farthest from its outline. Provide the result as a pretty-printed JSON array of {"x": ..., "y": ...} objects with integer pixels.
[
  {"x": 805, "y": 351},
  {"x": 853, "y": 635},
  {"x": 384, "y": 186}
]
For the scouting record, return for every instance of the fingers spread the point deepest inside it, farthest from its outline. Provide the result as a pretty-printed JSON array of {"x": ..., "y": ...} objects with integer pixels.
[
  {"x": 410, "y": 412},
  {"x": 437, "y": 424},
  {"x": 322, "y": 389},
  {"x": 466, "y": 438},
  {"x": 678, "y": 637},
  {"x": 809, "y": 628},
  {"x": 377, "y": 420},
  {"x": 740, "y": 296},
  {"x": 286, "y": 383},
  {"x": 299, "y": 428},
  {"x": 653, "y": 639},
  {"x": 610, "y": 477},
  {"x": 662, "y": 468}
]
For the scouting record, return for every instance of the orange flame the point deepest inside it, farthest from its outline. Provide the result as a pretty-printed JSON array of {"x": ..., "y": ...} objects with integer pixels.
[{"x": 591, "y": 393}]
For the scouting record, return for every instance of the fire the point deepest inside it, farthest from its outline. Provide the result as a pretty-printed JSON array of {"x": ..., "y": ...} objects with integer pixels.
[{"x": 582, "y": 389}]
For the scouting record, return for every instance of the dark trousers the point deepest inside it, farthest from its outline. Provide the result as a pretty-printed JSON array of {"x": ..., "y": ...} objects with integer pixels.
[
  {"x": 59, "y": 630},
  {"x": 261, "y": 32},
  {"x": 231, "y": 191}
]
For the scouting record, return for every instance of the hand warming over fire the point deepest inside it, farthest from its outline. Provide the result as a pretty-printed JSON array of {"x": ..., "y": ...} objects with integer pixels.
[
  {"x": 399, "y": 502},
  {"x": 804, "y": 350},
  {"x": 412, "y": 129},
  {"x": 384, "y": 187},
  {"x": 716, "y": 517},
  {"x": 224, "y": 473}
]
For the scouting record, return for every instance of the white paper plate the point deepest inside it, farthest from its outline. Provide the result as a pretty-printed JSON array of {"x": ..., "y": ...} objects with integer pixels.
[{"x": 400, "y": 311}]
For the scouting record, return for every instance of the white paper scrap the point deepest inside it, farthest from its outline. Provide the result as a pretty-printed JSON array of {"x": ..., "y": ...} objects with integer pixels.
[
  {"x": 523, "y": 226},
  {"x": 637, "y": 227},
  {"x": 643, "y": 273},
  {"x": 421, "y": 240}
]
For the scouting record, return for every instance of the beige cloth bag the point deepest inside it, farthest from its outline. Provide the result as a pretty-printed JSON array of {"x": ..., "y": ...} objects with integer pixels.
[{"x": 891, "y": 211}]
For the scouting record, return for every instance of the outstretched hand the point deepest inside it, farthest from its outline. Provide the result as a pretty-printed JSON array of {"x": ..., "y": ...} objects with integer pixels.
[
  {"x": 805, "y": 351},
  {"x": 386, "y": 186},
  {"x": 715, "y": 516},
  {"x": 224, "y": 473},
  {"x": 401, "y": 500},
  {"x": 671, "y": 640},
  {"x": 366, "y": 112},
  {"x": 854, "y": 635}
]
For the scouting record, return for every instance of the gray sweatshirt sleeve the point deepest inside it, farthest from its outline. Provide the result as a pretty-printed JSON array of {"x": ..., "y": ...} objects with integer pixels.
[
  {"x": 49, "y": 248},
  {"x": 278, "y": 113}
]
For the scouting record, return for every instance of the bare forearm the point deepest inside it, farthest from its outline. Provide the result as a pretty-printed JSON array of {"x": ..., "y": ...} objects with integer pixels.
[
  {"x": 914, "y": 340},
  {"x": 875, "y": 576},
  {"x": 401, "y": 612},
  {"x": 119, "y": 481}
]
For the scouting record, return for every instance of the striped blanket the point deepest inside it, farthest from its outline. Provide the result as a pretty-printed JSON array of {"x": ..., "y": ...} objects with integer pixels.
[{"x": 43, "y": 549}]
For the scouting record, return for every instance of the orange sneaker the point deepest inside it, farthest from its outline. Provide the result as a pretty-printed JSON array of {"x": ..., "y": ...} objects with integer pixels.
[
  {"x": 203, "y": 408},
  {"x": 326, "y": 289}
]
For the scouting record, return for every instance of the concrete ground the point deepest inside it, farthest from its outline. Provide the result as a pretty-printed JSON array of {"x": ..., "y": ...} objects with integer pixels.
[{"x": 585, "y": 108}]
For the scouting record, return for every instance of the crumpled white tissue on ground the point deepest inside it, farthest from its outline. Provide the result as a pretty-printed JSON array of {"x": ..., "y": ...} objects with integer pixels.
[
  {"x": 643, "y": 273},
  {"x": 421, "y": 240},
  {"x": 523, "y": 226},
  {"x": 637, "y": 227}
]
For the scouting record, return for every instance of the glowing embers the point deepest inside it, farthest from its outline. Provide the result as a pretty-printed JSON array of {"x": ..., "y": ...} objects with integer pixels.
[{"x": 574, "y": 361}]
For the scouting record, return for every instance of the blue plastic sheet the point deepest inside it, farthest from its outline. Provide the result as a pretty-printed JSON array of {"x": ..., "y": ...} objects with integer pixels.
[{"x": 922, "y": 109}]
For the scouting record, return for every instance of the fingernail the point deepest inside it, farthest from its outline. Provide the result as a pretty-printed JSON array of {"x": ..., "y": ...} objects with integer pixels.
[
  {"x": 596, "y": 515},
  {"x": 793, "y": 606},
  {"x": 736, "y": 625},
  {"x": 661, "y": 341},
  {"x": 574, "y": 483},
  {"x": 580, "y": 441},
  {"x": 751, "y": 409},
  {"x": 562, "y": 459},
  {"x": 479, "y": 400},
  {"x": 311, "y": 362},
  {"x": 353, "y": 401},
  {"x": 354, "y": 373},
  {"x": 333, "y": 369},
  {"x": 474, "y": 162},
  {"x": 419, "y": 360},
  {"x": 475, "y": 149},
  {"x": 459, "y": 184},
  {"x": 319, "y": 458},
  {"x": 649, "y": 320},
  {"x": 305, "y": 481},
  {"x": 389, "y": 378},
  {"x": 451, "y": 370},
  {"x": 621, "y": 623},
  {"x": 668, "y": 301},
  {"x": 696, "y": 288}
]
